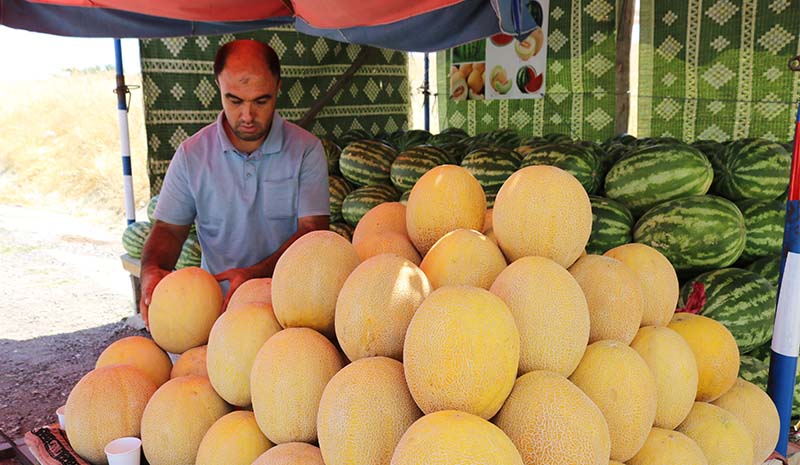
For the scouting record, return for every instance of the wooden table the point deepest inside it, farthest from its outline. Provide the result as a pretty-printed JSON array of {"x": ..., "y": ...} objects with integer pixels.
[{"x": 134, "y": 267}]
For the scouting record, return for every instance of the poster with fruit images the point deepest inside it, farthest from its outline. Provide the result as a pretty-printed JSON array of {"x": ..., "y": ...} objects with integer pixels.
[{"x": 502, "y": 67}]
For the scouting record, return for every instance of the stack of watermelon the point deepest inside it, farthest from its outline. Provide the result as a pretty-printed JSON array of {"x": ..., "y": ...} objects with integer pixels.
[{"x": 135, "y": 235}]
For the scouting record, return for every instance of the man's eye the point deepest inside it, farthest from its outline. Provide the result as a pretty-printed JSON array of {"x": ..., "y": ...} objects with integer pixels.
[
  {"x": 236, "y": 102},
  {"x": 262, "y": 102}
]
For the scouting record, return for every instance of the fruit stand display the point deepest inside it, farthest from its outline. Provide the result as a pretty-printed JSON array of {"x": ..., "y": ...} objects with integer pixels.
[{"x": 522, "y": 294}]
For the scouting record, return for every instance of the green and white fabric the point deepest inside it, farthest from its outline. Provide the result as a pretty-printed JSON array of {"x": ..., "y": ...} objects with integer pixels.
[
  {"x": 181, "y": 97},
  {"x": 717, "y": 69},
  {"x": 580, "y": 82}
]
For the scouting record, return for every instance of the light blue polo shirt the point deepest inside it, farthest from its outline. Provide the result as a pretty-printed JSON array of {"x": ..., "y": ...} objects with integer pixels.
[{"x": 245, "y": 206}]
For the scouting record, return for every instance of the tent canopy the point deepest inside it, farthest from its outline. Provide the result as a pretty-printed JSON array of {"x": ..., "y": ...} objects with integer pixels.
[{"x": 419, "y": 25}]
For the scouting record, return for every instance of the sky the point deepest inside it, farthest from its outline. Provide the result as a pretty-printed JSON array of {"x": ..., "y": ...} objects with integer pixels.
[{"x": 31, "y": 55}]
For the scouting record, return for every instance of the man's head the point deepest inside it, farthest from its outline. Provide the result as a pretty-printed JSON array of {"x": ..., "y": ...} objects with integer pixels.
[{"x": 248, "y": 75}]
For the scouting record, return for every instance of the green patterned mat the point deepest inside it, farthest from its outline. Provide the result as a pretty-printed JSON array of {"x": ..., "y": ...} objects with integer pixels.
[
  {"x": 580, "y": 83},
  {"x": 717, "y": 69},
  {"x": 181, "y": 97}
]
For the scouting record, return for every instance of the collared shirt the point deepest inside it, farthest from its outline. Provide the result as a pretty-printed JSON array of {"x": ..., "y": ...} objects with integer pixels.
[{"x": 244, "y": 206}]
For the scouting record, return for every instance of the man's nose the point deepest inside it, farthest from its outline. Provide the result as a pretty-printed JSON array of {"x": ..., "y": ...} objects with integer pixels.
[{"x": 247, "y": 112}]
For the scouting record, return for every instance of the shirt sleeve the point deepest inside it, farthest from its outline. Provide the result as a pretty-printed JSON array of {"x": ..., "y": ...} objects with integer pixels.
[
  {"x": 314, "y": 196},
  {"x": 176, "y": 203}
]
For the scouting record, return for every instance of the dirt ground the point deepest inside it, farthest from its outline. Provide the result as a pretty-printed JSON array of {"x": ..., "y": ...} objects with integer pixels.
[{"x": 63, "y": 299}]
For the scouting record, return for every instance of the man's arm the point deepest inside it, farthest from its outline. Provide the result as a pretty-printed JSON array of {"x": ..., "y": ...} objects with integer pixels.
[
  {"x": 159, "y": 255},
  {"x": 264, "y": 268}
]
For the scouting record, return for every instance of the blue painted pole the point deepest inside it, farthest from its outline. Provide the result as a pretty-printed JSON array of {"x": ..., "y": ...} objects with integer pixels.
[
  {"x": 786, "y": 335},
  {"x": 124, "y": 136},
  {"x": 426, "y": 93}
]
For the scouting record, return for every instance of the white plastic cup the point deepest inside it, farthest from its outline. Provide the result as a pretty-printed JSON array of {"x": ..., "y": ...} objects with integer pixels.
[
  {"x": 60, "y": 413},
  {"x": 124, "y": 451}
]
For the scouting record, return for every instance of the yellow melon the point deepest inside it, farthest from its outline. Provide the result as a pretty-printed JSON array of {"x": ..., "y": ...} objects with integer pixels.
[
  {"x": 550, "y": 311},
  {"x": 183, "y": 308},
  {"x": 666, "y": 447},
  {"x": 657, "y": 277},
  {"x": 542, "y": 211},
  {"x": 385, "y": 217},
  {"x": 461, "y": 351},
  {"x": 304, "y": 295},
  {"x": 140, "y": 352},
  {"x": 289, "y": 374},
  {"x": 233, "y": 344},
  {"x": 715, "y": 352},
  {"x": 463, "y": 257},
  {"x": 544, "y": 415},
  {"x": 487, "y": 221},
  {"x": 233, "y": 439},
  {"x": 614, "y": 295},
  {"x": 723, "y": 438},
  {"x": 349, "y": 426},
  {"x": 107, "y": 403},
  {"x": 258, "y": 290},
  {"x": 616, "y": 378},
  {"x": 387, "y": 242},
  {"x": 376, "y": 304},
  {"x": 755, "y": 409},
  {"x": 177, "y": 417},
  {"x": 291, "y": 453},
  {"x": 449, "y": 436},
  {"x": 614, "y": 462},
  {"x": 672, "y": 362},
  {"x": 191, "y": 362},
  {"x": 444, "y": 199}
]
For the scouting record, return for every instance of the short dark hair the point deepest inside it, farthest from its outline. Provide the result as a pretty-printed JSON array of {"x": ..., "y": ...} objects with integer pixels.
[{"x": 270, "y": 58}]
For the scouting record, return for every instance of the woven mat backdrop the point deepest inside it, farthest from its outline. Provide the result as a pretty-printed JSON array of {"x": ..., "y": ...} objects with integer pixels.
[
  {"x": 181, "y": 97},
  {"x": 717, "y": 69},
  {"x": 580, "y": 94}
]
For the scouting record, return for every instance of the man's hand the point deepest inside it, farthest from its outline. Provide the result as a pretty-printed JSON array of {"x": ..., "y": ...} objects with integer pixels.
[
  {"x": 235, "y": 276},
  {"x": 150, "y": 277}
]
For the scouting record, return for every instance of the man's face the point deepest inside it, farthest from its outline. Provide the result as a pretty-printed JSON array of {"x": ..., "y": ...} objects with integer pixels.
[{"x": 249, "y": 92}]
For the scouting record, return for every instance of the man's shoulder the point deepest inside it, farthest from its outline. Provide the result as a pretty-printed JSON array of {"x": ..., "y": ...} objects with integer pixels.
[
  {"x": 296, "y": 133},
  {"x": 207, "y": 137}
]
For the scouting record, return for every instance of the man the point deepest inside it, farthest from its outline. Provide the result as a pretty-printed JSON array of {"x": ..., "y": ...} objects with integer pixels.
[{"x": 251, "y": 182}]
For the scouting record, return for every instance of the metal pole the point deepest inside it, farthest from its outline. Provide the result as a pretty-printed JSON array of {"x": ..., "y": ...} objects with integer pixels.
[
  {"x": 124, "y": 136},
  {"x": 426, "y": 93},
  {"x": 786, "y": 334}
]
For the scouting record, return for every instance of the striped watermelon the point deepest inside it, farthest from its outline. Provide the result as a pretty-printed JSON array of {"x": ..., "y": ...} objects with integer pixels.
[
  {"x": 558, "y": 138},
  {"x": 536, "y": 141},
  {"x": 769, "y": 268},
  {"x": 367, "y": 162},
  {"x": 624, "y": 139},
  {"x": 506, "y": 138},
  {"x": 491, "y": 166},
  {"x": 741, "y": 300},
  {"x": 338, "y": 188},
  {"x": 752, "y": 169},
  {"x": 764, "y": 221},
  {"x": 710, "y": 148},
  {"x": 612, "y": 225},
  {"x": 404, "y": 197},
  {"x": 491, "y": 195},
  {"x": 755, "y": 370},
  {"x": 649, "y": 176},
  {"x": 353, "y": 135},
  {"x": 361, "y": 200},
  {"x": 456, "y": 151},
  {"x": 342, "y": 229},
  {"x": 695, "y": 233},
  {"x": 412, "y": 138},
  {"x": 411, "y": 164},
  {"x": 447, "y": 137},
  {"x": 134, "y": 236},
  {"x": 191, "y": 253},
  {"x": 151, "y": 208},
  {"x": 332, "y": 153},
  {"x": 570, "y": 157}
]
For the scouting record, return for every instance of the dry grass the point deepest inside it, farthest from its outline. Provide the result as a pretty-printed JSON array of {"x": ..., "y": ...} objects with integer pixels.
[{"x": 60, "y": 149}]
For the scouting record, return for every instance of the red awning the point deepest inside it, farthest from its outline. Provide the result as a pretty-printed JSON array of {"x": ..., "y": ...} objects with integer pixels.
[{"x": 329, "y": 14}]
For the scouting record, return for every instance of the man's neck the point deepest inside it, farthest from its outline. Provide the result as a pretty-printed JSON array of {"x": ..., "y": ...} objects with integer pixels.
[{"x": 244, "y": 146}]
